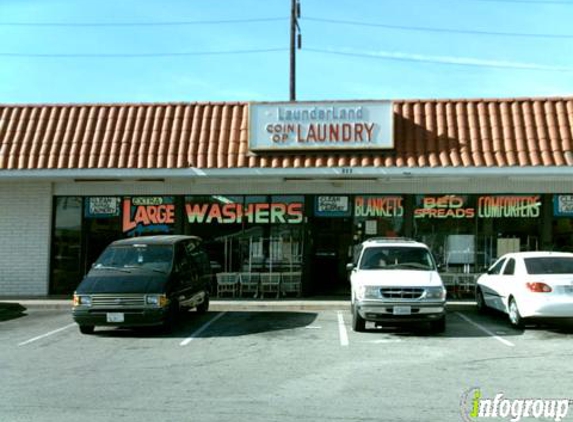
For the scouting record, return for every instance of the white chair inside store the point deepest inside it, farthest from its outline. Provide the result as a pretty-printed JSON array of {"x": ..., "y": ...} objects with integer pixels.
[
  {"x": 227, "y": 283},
  {"x": 465, "y": 285},
  {"x": 291, "y": 282},
  {"x": 249, "y": 284},
  {"x": 270, "y": 283}
]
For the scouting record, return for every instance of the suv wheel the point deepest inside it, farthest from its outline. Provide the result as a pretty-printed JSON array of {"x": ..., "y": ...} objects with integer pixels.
[
  {"x": 87, "y": 329},
  {"x": 480, "y": 302},
  {"x": 358, "y": 323},
  {"x": 203, "y": 307},
  {"x": 438, "y": 326}
]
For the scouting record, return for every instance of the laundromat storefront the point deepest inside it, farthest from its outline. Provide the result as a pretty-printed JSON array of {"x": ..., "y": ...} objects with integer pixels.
[
  {"x": 310, "y": 237},
  {"x": 282, "y": 187}
]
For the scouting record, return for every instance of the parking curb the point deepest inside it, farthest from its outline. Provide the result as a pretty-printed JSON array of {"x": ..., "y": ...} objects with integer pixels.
[{"x": 223, "y": 305}]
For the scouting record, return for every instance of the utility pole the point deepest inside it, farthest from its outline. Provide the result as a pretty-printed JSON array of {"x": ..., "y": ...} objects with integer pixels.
[{"x": 295, "y": 42}]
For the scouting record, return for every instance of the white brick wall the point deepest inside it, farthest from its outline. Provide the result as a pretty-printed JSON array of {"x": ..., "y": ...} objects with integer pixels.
[{"x": 25, "y": 227}]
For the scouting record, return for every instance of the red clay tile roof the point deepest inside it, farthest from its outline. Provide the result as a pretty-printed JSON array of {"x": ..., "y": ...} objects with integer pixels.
[{"x": 428, "y": 133}]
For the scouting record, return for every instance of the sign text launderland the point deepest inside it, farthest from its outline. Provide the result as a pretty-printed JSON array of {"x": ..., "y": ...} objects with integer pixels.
[{"x": 320, "y": 126}]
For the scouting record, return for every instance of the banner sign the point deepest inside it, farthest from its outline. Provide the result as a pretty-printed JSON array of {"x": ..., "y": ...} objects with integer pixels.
[
  {"x": 256, "y": 213},
  {"x": 148, "y": 214},
  {"x": 321, "y": 126},
  {"x": 447, "y": 206},
  {"x": 563, "y": 205},
  {"x": 456, "y": 206},
  {"x": 526, "y": 206},
  {"x": 332, "y": 206},
  {"x": 378, "y": 206},
  {"x": 102, "y": 207}
]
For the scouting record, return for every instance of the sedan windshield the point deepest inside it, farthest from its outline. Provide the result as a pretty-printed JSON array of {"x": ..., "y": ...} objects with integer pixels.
[
  {"x": 152, "y": 257},
  {"x": 549, "y": 265},
  {"x": 393, "y": 257}
]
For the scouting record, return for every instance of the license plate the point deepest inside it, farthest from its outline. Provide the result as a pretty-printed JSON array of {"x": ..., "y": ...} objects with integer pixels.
[
  {"x": 402, "y": 310},
  {"x": 115, "y": 317}
]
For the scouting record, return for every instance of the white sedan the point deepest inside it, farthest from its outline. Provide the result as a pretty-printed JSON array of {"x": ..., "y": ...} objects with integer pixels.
[{"x": 528, "y": 285}]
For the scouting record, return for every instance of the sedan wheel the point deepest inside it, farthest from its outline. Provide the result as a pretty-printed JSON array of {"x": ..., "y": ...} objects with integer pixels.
[{"x": 514, "y": 315}]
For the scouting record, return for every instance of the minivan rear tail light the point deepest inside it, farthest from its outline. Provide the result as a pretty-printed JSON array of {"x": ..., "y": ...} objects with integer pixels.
[{"x": 539, "y": 287}]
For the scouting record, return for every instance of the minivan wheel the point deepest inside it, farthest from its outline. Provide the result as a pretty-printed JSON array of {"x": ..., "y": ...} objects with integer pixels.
[
  {"x": 203, "y": 307},
  {"x": 170, "y": 318},
  {"x": 358, "y": 323},
  {"x": 514, "y": 316},
  {"x": 87, "y": 329}
]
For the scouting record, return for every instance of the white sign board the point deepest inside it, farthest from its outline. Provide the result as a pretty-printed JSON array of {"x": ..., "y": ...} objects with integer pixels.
[
  {"x": 321, "y": 126},
  {"x": 332, "y": 204},
  {"x": 371, "y": 227}
]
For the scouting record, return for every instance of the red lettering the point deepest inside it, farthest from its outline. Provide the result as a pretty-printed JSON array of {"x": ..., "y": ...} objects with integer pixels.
[
  {"x": 151, "y": 214},
  {"x": 214, "y": 213},
  {"x": 295, "y": 213},
  {"x": 141, "y": 215},
  {"x": 127, "y": 223},
  {"x": 170, "y": 214}
]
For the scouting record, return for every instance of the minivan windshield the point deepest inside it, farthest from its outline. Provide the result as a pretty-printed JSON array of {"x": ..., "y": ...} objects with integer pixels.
[
  {"x": 151, "y": 257},
  {"x": 396, "y": 257}
]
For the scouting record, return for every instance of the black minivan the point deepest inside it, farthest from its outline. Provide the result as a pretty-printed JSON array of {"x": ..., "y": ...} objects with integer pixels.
[{"x": 144, "y": 281}]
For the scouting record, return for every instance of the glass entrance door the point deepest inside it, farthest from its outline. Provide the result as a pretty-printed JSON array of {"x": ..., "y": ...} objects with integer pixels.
[{"x": 331, "y": 248}]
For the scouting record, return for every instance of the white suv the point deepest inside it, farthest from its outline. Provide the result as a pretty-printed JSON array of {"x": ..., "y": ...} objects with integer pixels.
[{"x": 395, "y": 280}]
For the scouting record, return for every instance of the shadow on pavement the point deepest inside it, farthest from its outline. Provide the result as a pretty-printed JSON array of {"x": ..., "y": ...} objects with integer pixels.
[
  {"x": 10, "y": 311},
  {"x": 456, "y": 326},
  {"x": 232, "y": 324}
]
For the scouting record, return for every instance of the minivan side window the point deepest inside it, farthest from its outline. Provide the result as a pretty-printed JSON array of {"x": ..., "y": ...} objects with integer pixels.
[{"x": 183, "y": 263}]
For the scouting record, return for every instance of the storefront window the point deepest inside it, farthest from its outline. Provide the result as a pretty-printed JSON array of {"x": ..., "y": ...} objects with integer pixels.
[
  {"x": 248, "y": 233},
  {"x": 218, "y": 220},
  {"x": 508, "y": 223},
  {"x": 447, "y": 224},
  {"x": 468, "y": 232},
  {"x": 103, "y": 225},
  {"x": 286, "y": 240},
  {"x": 66, "y": 245},
  {"x": 146, "y": 215},
  {"x": 562, "y": 227},
  {"x": 377, "y": 215}
]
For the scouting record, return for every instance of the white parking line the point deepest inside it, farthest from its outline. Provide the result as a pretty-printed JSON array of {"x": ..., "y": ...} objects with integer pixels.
[
  {"x": 201, "y": 329},
  {"x": 342, "y": 330},
  {"x": 46, "y": 335},
  {"x": 485, "y": 330}
]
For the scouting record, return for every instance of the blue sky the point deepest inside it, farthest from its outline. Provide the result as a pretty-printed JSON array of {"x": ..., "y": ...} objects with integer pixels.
[{"x": 72, "y": 51}]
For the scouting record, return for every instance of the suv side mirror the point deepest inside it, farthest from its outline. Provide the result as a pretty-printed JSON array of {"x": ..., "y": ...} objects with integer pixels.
[{"x": 349, "y": 266}]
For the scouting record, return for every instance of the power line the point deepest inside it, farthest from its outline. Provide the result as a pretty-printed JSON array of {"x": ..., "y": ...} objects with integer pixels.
[
  {"x": 442, "y": 30},
  {"x": 453, "y": 61},
  {"x": 134, "y": 24},
  {"x": 141, "y": 55}
]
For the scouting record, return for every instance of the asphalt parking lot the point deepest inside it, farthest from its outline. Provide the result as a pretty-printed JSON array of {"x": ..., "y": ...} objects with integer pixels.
[{"x": 275, "y": 365}]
